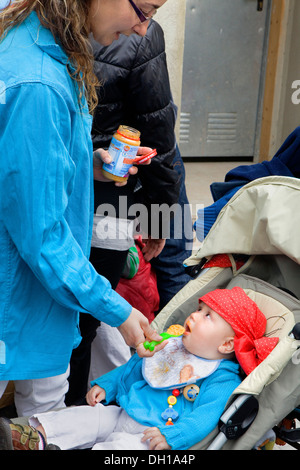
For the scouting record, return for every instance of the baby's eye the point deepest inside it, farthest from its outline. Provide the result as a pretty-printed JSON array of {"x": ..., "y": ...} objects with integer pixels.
[{"x": 207, "y": 315}]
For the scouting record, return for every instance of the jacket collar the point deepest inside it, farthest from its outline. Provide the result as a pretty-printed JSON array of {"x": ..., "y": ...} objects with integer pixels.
[{"x": 44, "y": 39}]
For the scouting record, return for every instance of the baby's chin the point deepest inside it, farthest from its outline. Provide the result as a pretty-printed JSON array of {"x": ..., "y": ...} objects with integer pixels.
[
  {"x": 197, "y": 351},
  {"x": 188, "y": 346}
]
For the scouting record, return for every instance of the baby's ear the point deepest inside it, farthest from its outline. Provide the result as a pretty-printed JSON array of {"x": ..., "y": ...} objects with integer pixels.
[{"x": 227, "y": 347}]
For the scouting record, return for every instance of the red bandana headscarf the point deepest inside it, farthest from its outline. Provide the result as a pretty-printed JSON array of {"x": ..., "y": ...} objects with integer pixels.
[{"x": 248, "y": 323}]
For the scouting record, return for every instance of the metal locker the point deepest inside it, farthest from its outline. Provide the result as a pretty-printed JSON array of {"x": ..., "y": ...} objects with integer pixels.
[{"x": 223, "y": 77}]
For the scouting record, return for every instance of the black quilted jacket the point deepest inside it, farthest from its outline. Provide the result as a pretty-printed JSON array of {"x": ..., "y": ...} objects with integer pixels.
[{"x": 136, "y": 91}]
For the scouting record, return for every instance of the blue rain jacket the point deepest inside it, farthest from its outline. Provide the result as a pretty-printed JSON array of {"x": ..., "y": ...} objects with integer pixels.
[{"x": 46, "y": 210}]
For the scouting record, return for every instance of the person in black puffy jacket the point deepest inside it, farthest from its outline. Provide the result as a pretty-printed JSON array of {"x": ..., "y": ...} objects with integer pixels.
[{"x": 135, "y": 91}]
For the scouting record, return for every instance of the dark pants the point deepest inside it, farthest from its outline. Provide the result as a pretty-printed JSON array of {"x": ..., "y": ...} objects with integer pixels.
[
  {"x": 171, "y": 276},
  {"x": 108, "y": 263}
]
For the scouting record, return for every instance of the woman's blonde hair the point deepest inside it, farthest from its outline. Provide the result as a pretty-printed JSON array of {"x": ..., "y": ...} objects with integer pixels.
[{"x": 68, "y": 22}]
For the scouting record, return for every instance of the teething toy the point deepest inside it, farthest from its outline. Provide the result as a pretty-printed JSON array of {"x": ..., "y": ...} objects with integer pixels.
[{"x": 172, "y": 332}]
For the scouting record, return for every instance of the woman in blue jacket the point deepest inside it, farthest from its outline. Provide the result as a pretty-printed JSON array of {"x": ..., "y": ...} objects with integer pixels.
[{"x": 47, "y": 91}]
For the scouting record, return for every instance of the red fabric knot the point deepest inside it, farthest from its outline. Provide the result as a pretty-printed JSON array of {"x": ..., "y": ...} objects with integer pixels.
[
  {"x": 222, "y": 261},
  {"x": 247, "y": 321}
]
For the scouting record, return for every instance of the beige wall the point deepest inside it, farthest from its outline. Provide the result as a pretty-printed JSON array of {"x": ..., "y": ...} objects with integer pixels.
[
  {"x": 285, "y": 114},
  {"x": 281, "y": 115},
  {"x": 291, "y": 106},
  {"x": 172, "y": 19}
]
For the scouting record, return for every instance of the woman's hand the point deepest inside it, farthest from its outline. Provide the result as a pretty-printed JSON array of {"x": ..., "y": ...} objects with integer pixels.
[
  {"x": 136, "y": 330},
  {"x": 101, "y": 156},
  {"x": 95, "y": 395}
]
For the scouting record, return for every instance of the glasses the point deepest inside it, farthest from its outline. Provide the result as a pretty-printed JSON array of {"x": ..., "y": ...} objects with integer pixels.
[{"x": 139, "y": 12}]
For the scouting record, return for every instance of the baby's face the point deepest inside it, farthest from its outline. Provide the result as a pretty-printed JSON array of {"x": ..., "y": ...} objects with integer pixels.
[{"x": 205, "y": 332}]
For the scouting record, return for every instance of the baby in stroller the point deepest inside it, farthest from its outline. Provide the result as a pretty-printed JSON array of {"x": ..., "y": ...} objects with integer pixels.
[{"x": 170, "y": 401}]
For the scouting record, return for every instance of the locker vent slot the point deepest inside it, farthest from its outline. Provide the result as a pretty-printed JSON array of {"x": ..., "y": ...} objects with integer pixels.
[
  {"x": 184, "y": 131},
  {"x": 221, "y": 127}
]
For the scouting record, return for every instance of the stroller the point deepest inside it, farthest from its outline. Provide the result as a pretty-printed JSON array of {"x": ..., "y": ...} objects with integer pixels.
[{"x": 254, "y": 244}]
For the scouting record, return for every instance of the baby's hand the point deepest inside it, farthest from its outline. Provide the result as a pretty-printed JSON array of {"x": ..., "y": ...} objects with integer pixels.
[
  {"x": 186, "y": 373},
  {"x": 95, "y": 395},
  {"x": 157, "y": 440}
]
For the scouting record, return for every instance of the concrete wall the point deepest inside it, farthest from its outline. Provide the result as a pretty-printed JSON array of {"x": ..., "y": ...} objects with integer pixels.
[
  {"x": 291, "y": 107},
  {"x": 285, "y": 113},
  {"x": 171, "y": 17}
]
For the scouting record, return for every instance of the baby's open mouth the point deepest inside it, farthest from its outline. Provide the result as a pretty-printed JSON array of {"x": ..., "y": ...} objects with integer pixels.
[{"x": 187, "y": 328}]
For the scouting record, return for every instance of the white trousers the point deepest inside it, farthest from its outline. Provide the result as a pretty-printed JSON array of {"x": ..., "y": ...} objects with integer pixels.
[
  {"x": 39, "y": 395},
  {"x": 98, "y": 427}
]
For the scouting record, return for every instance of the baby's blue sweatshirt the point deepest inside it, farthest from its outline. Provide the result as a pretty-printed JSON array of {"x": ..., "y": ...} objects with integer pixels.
[{"x": 127, "y": 386}]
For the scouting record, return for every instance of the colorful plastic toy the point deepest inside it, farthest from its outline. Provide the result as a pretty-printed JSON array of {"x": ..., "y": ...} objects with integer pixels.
[{"x": 172, "y": 332}]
